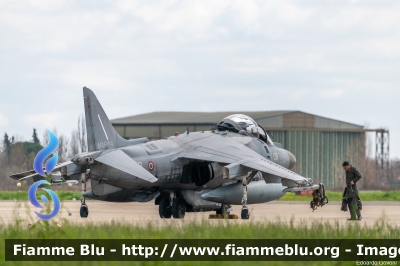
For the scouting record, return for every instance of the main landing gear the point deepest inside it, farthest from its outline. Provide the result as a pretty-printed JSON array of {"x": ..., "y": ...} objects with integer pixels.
[
  {"x": 172, "y": 205},
  {"x": 84, "y": 211}
]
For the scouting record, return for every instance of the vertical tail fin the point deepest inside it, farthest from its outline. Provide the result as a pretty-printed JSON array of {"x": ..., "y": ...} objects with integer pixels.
[{"x": 101, "y": 135}]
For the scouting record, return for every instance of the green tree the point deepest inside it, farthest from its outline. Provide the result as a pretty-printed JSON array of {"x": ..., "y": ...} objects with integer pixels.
[
  {"x": 30, "y": 149},
  {"x": 6, "y": 144},
  {"x": 35, "y": 136}
]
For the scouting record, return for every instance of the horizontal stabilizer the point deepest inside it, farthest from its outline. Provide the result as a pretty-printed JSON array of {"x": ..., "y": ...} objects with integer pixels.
[
  {"x": 32, "y": 174},
  {"x": 121, "y": 161}
]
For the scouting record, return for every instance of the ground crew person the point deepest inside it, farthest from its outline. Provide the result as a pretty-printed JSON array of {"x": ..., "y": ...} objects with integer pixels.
[{"x": 350, "y": 194}]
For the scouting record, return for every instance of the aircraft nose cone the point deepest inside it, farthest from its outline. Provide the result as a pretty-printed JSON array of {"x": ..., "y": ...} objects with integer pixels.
[
  {"x": 214, "y": 195},
  {"x": 292, "y": 160}
]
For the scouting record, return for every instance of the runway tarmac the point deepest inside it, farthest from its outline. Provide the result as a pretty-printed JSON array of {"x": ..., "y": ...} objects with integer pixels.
[{"x": 144, "y": 213}]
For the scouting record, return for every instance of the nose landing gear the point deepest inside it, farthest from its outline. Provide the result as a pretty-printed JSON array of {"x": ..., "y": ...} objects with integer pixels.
[{"x": 245, "y": 214}]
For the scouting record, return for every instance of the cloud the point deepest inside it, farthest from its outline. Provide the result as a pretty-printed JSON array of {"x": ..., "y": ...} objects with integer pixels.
[
  {"x": 3, "y": 120},
  {"x": 299, "y": 94},
  {"x": 237, "y": 92},
  {"x": 45, "y": 120},
  {"x": 145, "y": 55},
  {"x": 331, "y": 94}
]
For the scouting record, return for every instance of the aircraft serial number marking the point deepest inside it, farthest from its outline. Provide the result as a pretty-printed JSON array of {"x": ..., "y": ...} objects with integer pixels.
[{"x": 103, "y": 144}]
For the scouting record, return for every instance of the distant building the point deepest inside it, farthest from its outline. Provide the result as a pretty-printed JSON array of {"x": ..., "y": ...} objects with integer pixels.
[{"x": 320, "y": 144}]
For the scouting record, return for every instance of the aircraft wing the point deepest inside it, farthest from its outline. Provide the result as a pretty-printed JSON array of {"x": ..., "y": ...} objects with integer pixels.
[
  {"x": 239, "y": 160},
  {"x": 206, "y": 154},
  {"x": 269, "y": 167},
  {"x": 121, "y": 161}
]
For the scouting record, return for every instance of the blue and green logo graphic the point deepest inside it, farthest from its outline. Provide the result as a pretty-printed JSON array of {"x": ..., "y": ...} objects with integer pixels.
[{"x": 50, "y": 165}]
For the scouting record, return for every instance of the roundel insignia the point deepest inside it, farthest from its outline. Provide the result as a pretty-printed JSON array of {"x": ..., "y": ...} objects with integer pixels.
[{"x": 150, "y": 165}]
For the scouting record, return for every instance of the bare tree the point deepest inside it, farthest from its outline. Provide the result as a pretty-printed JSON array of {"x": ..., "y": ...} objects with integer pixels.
[
  {"x": 74, "y": 144},
  {"x": 3, "y": 165},
  {"x": 82, "y": 133},
  {"x": 78, "y": 142},
  {"x": 62, "y": 148},
  {"x": 45, "y": 139},
  {"x": 395, "y": 171},
  {"x": 63, "y": 142}
]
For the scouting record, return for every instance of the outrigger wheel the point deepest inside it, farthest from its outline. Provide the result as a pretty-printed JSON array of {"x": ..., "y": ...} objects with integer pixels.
[{"x": 84, "y": 211}]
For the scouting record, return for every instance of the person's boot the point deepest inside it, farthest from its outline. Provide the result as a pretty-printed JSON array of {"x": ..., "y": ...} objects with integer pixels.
[
  {"x": 353, "y": 217},
  {"x": 353, "y": 211},
  {"x": 359, "y": 217},
  {"x": 344, "y": 205}
]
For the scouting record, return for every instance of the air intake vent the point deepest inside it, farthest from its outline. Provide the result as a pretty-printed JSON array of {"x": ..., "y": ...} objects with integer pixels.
[{"x": 151, "y": 147}]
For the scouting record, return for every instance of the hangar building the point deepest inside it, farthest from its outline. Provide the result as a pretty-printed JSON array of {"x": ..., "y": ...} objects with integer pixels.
[{"x": 320, "y": 144}]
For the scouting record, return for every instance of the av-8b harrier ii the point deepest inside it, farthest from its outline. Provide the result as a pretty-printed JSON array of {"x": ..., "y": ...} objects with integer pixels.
[{"x": 237, "y": 164}]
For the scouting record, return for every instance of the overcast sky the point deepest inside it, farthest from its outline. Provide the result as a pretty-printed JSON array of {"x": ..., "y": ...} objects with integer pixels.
[{"x": 339, "y": 59}]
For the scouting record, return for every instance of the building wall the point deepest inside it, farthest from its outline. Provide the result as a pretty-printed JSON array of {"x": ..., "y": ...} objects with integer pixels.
[
  {"x": 298, "y": 120},
  {"x": 320, "y": 154}
]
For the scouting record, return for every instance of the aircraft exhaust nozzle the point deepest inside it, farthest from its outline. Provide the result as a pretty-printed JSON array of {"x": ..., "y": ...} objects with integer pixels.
[{"x": 292, "y": 160}]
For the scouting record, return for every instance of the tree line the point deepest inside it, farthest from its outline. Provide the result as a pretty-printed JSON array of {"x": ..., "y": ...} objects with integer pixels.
[{"x": 17, "y": 155}]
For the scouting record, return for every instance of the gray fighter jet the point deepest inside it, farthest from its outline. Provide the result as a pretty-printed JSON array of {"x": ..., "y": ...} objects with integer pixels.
[{"x": 194, "y": 171}]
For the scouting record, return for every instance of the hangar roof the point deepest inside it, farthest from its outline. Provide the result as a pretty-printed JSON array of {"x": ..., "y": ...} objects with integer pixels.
[
  {"x": 189, "y": 117},
  {"x": 268, "y": 119}
]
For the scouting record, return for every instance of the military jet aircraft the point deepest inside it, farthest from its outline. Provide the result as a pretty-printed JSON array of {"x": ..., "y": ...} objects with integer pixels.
[{"x": 194, "y": 171}]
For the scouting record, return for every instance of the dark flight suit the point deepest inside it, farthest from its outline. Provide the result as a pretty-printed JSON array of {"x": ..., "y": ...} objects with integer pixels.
[{"x": 351, "y": 193}]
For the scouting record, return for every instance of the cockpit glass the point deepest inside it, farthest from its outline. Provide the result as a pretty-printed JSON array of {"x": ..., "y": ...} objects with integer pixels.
[
  {"x": 244, "y": 121},
  {"x": 261, "y": 132},
  {"x": 239, "y": 122},
  {"x": 269, "y": 140},
  {"x": 264, "y": 136}
]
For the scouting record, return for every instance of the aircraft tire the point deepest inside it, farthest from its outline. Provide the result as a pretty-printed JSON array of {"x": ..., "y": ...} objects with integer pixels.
[
  {"x": 84, "y": 211},
  {"x": 178, "y": 208},
  {"x": 245, "y": 214},
  {"x": 164, "y": 208}
]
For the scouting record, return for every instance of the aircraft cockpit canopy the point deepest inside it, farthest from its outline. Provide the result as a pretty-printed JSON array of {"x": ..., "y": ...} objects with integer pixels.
[{"x": 244, "y": 124}]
